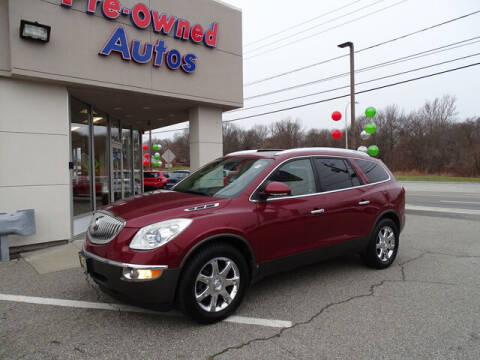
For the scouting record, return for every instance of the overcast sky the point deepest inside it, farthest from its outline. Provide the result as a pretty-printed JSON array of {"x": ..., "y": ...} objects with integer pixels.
[{"x": 392, "y": 18}]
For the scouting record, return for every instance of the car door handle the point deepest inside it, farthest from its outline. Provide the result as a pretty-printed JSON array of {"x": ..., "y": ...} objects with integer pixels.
[
  {"x": 365, "y": 202},
  {"x": 317, "y": 211}
]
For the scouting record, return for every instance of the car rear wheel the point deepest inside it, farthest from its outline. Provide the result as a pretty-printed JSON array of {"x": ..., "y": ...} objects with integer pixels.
[
  {"x": 213, "y": 283},
  {"x": 383, "y": 246}
]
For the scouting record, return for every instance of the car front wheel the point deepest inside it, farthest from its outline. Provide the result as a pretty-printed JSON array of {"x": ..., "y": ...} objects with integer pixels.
[
  {"x": 383, "y": 246},
  {"x": 213, "y": 283}
]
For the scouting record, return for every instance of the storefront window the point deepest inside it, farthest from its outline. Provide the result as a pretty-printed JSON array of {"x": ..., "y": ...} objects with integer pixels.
[
  {"x": 80, "y": 137},
  {"x": 137, "y": 162},
  {"x": 101, "y": 163},
  {"x": 127, "y": 163},
  {"x": 116, "y": 160}
]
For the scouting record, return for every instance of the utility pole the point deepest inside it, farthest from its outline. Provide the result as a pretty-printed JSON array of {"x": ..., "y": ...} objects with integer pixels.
[{"x": 349, "y": 44}]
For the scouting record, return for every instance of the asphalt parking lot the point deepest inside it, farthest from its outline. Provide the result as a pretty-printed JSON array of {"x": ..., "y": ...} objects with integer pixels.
[{"x": 427, "y": 305}]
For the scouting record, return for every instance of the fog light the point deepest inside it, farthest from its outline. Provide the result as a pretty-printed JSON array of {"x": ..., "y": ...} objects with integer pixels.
[
  {"x": 34, "y": 31},
  {"x": 141, "y": 274}
]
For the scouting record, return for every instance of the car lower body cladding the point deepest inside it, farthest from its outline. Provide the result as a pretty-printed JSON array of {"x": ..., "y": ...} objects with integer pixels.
[
  {"x": 160, "y": 291},
  {"x": 310, "y": 257}
]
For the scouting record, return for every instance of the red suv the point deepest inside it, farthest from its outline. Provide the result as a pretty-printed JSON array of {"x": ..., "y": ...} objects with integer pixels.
[
  {"x": 240, "y": 218},
  {"x": 154, "y": 180}
]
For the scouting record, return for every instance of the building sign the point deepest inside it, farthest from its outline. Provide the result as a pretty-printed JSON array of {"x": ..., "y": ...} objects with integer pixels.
[{"x": 144, "y": 18}]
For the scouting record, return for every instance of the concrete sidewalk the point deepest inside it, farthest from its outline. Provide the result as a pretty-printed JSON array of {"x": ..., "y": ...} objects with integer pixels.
[{"x": 55, "y": 258}]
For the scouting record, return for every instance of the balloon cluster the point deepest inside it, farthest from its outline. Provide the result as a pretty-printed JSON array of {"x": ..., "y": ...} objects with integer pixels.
[
  {"x": 369, "y": 129},
  {"x": 156, "y": 157},
  {"x": 336, "y": 116}
]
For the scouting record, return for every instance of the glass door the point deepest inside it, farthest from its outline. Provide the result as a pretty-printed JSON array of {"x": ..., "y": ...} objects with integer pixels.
[{"x": 81, "y": 176}]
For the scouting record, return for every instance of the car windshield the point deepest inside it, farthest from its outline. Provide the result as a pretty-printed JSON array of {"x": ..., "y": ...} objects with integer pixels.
[
  {"x": 150, "y": 175},
  {"x": 225, "y": 178}
]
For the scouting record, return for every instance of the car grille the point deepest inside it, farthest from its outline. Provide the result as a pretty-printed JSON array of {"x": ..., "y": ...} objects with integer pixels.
[{"x": 104, "y": 227}]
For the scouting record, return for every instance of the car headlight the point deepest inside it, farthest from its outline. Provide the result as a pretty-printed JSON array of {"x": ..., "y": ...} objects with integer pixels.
[{"x": 158, "y": 234}]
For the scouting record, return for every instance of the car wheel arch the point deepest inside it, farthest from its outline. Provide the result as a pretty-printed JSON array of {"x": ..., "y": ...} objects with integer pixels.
[
  {"x": 388, "y": 214},
  {"x": 236, "y": 241}
]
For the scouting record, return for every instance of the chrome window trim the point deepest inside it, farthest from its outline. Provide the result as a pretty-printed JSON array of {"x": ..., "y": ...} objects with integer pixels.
[
  {"x": 313, "y": 194},
  {"x": 89, "y": 255}
]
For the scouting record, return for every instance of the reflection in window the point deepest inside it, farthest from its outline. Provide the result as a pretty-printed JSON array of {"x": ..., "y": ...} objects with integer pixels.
[
  {"x": 127, "y": 162},
  {"x": 80, "y": 137},
  {"x": 100, "y": 138},
  {"x": 297, "y": 175},
  {"x": 335, "y": 174},
  {"x": 137, "y": 162},
  {"x": 373, "y": 170}
]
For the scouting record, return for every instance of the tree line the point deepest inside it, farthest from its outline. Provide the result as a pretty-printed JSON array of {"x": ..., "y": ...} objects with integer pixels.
[{"x": 429, "y": 140}]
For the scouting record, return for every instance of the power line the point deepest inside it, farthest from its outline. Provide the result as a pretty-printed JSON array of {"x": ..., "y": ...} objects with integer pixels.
[
  {"x": 437, "y": 50},
  {"x": 303, "y": 23},
  {"x": 339, "y": 97},
  {"x": 359, "y": 83},
  {"x": 314, "y": 27},
  {"x": 358, "y": 92},
  {"x": 326, "y": 30},
  {"x": 361, "y": 50}
]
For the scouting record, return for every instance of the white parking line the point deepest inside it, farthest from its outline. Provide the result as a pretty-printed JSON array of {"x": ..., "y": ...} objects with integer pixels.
[
  {"x": 128, "y": 308},
  {"x": 460, "y": 202},
  {"x": 443, "y": 210}
]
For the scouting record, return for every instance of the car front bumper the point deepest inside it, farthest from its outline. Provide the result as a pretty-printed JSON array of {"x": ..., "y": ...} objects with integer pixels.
[{"x": 109, "y": 274}]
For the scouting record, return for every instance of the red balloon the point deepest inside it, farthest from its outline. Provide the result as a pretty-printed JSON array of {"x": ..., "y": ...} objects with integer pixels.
[
  {"x": 146, "y": 156},
  {"x": 145, "y": 147},
  {"x": 336, "y": 134},
  {"x": 146, "y": 163},
  {"x": 336, "y": 115}
]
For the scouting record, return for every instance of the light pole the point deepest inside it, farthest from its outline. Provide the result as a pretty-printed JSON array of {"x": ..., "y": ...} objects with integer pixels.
[
  {"x": 349, "y": 44},
  {"x": 346, "y": 124}
]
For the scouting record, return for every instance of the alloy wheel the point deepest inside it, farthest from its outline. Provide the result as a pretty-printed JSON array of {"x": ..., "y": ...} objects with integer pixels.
[
  {"x": 217, "y": 284},
  {"x": 385, "y": 245}
]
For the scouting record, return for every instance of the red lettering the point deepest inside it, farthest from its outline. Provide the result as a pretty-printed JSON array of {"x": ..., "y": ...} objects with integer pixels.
[
  {"x": 211, "y": 36},
  {"x": 141, "y": 16},
  {"x": 111, "y": 9},
  {"x": 162, "y": 23},
  {"x": 92, "y": 7},
  {"x": 182, "y": 30},
  {"x": 197, "y": 33}
]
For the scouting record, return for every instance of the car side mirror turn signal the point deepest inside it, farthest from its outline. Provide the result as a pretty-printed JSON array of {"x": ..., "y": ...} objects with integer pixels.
[{"x": 276, "y": 189}]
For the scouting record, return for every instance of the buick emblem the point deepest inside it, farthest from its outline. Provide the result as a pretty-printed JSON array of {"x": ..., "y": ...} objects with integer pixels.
[{"x": 97, "y": 224}]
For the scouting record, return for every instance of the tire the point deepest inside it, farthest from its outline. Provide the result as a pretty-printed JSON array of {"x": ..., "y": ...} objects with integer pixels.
[
  {"x": 200, "y": 283},
  {"x": 382, "y": 248}
]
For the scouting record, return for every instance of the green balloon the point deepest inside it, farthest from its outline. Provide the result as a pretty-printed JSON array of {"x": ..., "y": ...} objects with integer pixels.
[
  {"x": 373, "y": 150},
  {"x": 157, "y": 156},
  {"x": 370, "y": 112},
  {"x": 156, "y": 164},
  {"x": 156, "y": 147},
  {"x": 370, "y": 128}
]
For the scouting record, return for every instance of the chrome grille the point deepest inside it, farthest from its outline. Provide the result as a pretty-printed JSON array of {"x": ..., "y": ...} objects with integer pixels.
[{"x": 104, "y": 227}]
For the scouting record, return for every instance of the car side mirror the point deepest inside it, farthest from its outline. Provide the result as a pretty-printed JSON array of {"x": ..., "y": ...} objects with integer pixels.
[{"x": 276, "y": 189}]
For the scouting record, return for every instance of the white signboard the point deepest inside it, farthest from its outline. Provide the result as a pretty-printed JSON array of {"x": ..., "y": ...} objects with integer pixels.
[{"x": 169, "y": 156}]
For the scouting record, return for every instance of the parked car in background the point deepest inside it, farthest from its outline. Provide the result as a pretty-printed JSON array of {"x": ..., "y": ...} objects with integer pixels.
[
  {"x": 202, "y": 244},
  {"x": 175, "y": 177},
  {"x": 154, "y": 180}
]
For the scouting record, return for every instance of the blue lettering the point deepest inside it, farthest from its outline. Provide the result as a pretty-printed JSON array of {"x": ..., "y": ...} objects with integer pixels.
[
  {"x": 147, "y": 52},
  {"x": 173, "y": 60},
  {"x": 189, "y": 64},
  {"x": 118, "y": 42},
  {"x": 160, "y": 51}
]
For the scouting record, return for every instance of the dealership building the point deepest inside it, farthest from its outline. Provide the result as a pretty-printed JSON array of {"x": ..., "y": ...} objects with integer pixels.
[{"x": 82, "y": 80}]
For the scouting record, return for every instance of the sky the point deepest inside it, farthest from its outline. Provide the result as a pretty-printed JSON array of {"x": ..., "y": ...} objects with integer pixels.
[{"x": 368, "y": 22}]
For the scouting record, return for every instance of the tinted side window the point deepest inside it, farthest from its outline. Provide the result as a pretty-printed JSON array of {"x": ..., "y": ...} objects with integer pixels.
[
  {"x": 335, "y": 174},
  {"x": 298, "y": 175},
  {"x": 374, "y": 171}
]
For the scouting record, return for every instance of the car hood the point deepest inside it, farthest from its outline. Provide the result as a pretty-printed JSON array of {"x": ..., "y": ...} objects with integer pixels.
[{"x": 161, "y": 205}]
